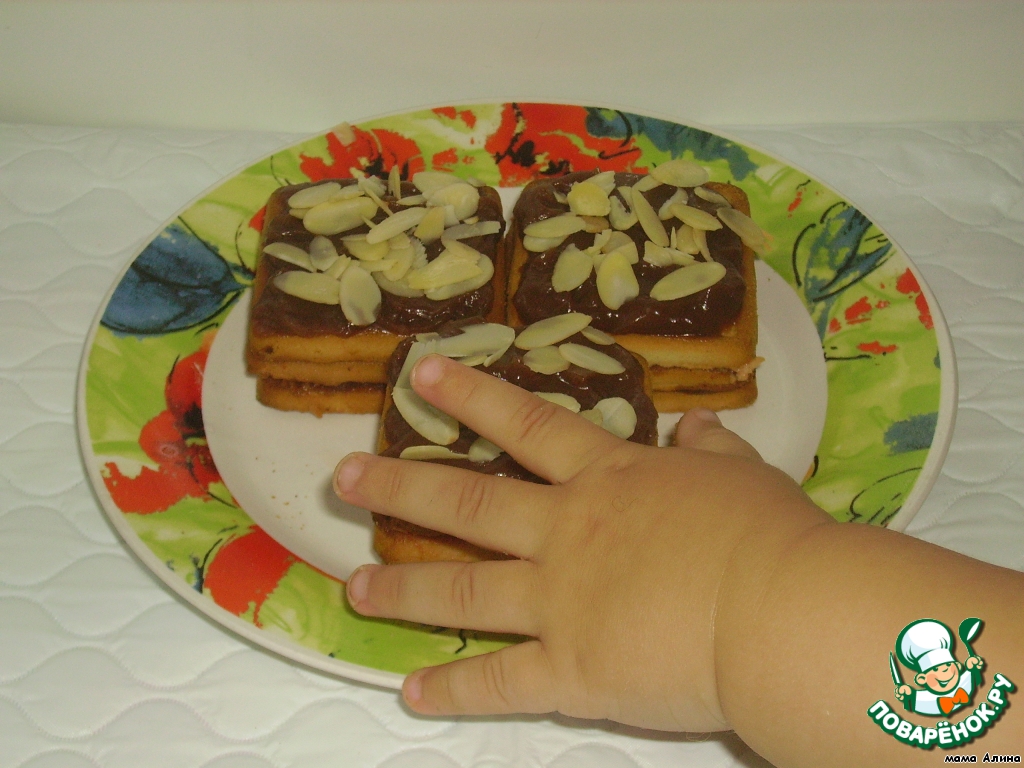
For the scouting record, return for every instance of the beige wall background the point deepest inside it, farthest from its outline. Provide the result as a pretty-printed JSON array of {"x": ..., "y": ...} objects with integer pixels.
[{"x": 302, "y": 65}]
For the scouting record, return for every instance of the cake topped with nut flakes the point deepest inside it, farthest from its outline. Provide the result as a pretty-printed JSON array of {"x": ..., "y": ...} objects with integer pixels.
[{"x": 350, "y": 267}]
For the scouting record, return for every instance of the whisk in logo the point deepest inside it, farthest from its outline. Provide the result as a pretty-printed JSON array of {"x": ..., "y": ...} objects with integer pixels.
[{"x": 943, "y": 686}]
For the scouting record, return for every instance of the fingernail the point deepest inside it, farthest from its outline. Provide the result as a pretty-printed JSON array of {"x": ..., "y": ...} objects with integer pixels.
[
  {"x": 428, "y": 371},
  {"x": 349, "y": 470},
  {"x": 359, "y": 584},
  {"x": 705, "y": 414},
  {"x": 413, "y": 688}
]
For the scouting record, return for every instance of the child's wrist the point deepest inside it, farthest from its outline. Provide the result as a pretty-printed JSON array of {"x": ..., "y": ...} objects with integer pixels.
[{"x": 778, "y": 536}]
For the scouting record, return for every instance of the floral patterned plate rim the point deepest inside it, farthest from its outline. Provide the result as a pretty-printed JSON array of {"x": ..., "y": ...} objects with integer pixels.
[{"x": 890, "y": 368}]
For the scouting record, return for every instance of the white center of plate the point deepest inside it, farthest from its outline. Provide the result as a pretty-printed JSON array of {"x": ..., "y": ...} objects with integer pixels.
[
  {"x": 278, "y": 464},
  {"x": 786, "y": 422}
]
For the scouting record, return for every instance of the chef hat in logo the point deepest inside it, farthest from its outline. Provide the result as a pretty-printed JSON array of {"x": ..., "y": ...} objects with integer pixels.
[{"x": 925, "y": 644}]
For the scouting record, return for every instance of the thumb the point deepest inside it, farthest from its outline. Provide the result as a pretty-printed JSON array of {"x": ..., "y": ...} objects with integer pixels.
[{"x": 702, "y": 430}]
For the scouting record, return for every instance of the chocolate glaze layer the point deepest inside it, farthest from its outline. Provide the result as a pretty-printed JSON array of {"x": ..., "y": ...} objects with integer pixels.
[
  {"x": 588, "y": 387},
  {"x": 277, "y": 313},
  {"x": 702, "y": 314}
]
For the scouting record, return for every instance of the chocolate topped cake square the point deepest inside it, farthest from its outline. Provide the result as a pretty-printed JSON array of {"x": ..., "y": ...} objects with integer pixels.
[
  {"x": 350, "y": 267},
  {"x": 662, "y": 262},
  {"x": 563, "y": 359}
]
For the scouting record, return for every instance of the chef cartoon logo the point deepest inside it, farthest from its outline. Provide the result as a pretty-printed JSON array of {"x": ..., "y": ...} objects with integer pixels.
[
  {"x": 946, "y": 685},
  {"x": 942, "y": 686}
]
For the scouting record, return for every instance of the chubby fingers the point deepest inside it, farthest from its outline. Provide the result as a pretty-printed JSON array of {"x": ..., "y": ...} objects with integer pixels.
[
  {"x": 493, "y": 512},
  {"x": 702, "y": 430},
  {"x": 545, "y": 438},
  {"x": 491, "y": 596},
  {"x": 513, "y": 680}
]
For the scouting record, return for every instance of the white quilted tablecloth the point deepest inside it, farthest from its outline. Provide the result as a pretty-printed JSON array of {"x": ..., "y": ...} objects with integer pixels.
[{"x": 101, "y": 666}]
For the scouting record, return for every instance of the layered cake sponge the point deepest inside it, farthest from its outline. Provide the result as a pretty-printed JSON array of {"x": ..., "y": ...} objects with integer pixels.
[
  {"x": 562, "y": 359},
  {"x": 663, "y": 262},
  {"x": 350, "y": 267}
]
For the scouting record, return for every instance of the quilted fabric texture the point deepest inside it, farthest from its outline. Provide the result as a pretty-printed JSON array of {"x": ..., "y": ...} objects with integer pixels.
[{"x": 101, "y": 666}]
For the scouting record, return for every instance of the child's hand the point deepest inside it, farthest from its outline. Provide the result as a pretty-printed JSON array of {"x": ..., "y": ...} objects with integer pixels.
[{"x": 629, "y": 559}]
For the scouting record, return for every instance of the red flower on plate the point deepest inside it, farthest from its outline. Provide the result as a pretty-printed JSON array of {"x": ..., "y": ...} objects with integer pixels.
[
  {"x": 859, "y": 311},
  {"x": 548, "y": 140},
  {"x": 374, "y": 152},
  {"x": 877, "y": 348},
  {"x": 907, "y": 284},
  {"x": 256, "y": 222},
  {"x": 443, "y": 161},
  {"x": 175, "y": 440},
  {"x": 245, "y": 571},
  {"x": 465, "y": 115}
]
